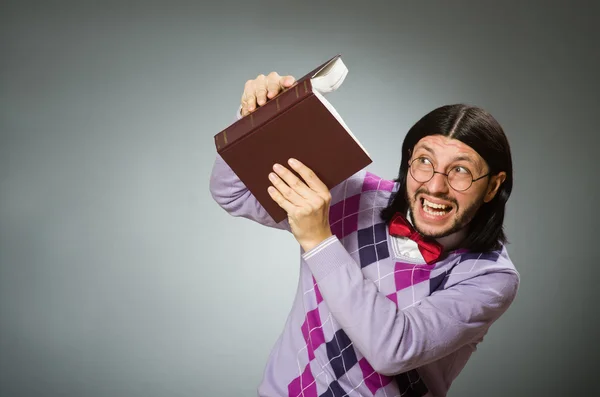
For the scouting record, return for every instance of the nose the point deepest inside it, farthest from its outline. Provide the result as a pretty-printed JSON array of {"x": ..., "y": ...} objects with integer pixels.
[{"x": 438, "y": 184}]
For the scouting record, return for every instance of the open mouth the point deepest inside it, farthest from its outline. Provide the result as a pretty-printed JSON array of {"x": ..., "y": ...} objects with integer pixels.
[{"x": 434, "y": 209}]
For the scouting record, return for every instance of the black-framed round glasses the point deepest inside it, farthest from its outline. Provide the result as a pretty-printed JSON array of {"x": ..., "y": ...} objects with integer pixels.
[{"x": 459, "y": 178}]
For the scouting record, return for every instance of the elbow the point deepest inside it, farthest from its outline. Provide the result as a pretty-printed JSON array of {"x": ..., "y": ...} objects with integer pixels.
[
  {"x": 389, "y": 366},
  {"x": 217, "y": 198},
  {"x": 389, "y": 361},
  {"x": 212, "y": 188},
  {"x": 216, "y": 189},
  {"x": 391, "y": 356},
  {"x": 381, "y": 365},
  {"x": 225, "y": 196},
  {"x": 219, "y": 185},
  {"x": 392, "y": 349}
]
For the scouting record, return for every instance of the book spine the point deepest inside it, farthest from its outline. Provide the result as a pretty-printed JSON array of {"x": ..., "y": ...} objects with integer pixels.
[{"x": 283, "y": 101}]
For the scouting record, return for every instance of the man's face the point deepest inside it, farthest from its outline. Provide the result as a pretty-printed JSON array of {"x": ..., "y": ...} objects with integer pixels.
[{"x": 437, "y": 210}]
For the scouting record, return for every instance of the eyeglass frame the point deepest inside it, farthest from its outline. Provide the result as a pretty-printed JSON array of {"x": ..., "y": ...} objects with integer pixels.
[{"x": 446, "y": 175}]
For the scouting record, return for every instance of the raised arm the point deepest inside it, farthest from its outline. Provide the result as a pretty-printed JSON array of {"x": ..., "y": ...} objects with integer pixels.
[
  {"x": 234, "y": 197},
  {"x": 395, "y": 340},
  {"x": 225, "y": 186}
]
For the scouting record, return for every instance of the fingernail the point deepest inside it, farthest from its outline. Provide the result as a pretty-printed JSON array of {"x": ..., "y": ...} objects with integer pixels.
[
  {"x": 251, "y": 107},
  {"x": 272, "y": 176},
  {"x": 277, "y": 167},
  {"x": 293, "y": 162},
  {"x": 261, "y": 101}
]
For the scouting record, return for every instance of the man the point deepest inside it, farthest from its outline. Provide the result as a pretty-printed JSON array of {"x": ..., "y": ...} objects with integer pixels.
[{"x": 400, "y": 280}]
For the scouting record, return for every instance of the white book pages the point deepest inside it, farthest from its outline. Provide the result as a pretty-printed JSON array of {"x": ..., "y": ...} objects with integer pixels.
[
  {"x": 331, "y": 109},
  {"x": 330, "y": 77}
]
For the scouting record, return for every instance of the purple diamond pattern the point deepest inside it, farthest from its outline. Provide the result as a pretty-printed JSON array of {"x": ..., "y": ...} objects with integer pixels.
[
  {"x": 373, "y": 182},
  {"x": 312, "y": 332},
  {"x": 372, "y": 253},
  {"x": 373, "y": 244},
  {"x": 410, "y": 384},
  {"x": 393, "y": 297},
  {"x": 437, "y": 282},
  {"x": 341, "y": 353},
  {"x": 373, "y": 380},
  {"x": 343, "y": 216},
  {"x": 407, "y": 274},
  {"x": 334, "y": 390},
  {"x": 317, "y": 292},
  {"x": 300, "y": 386}
]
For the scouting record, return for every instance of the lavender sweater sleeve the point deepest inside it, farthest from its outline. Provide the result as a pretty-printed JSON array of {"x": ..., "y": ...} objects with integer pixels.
[
  {"x": 234, "y": 197},
  {"x": 395, "y": 340}
]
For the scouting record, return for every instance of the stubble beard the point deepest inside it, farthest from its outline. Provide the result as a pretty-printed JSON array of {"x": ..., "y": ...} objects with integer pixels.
[{"x": 460, "y": 220}]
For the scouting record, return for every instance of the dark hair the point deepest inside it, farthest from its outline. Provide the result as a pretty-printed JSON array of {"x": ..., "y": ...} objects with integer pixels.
[{"x": 478, "y": 129}]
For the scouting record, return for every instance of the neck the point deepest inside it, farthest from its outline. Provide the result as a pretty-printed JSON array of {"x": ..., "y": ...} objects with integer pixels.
[
  {"x": 453, "y": 241},
  {"x": 449, "y": 242}
]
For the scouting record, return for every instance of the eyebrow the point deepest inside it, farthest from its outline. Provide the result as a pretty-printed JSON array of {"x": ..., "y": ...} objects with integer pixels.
[{"x": 458, "y": 158}]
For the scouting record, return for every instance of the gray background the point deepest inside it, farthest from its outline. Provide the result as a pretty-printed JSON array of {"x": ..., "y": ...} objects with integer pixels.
[{"x": 119, "y": 276}]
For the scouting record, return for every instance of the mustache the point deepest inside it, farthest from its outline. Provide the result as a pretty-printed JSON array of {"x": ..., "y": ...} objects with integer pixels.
[{"x": 439, "y": 196}]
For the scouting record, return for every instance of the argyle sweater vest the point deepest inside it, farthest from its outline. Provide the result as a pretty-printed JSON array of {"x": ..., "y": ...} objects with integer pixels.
[{"x": 370, "y": 317}]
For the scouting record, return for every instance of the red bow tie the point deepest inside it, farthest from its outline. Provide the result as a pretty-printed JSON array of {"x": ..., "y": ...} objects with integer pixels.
[{"x": 431, "y": 250}]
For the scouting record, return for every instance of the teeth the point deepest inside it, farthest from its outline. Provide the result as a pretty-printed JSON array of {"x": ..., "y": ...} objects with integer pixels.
[
  {"x": 429, "y": 211},
  {"x": 433, "y": 205}
]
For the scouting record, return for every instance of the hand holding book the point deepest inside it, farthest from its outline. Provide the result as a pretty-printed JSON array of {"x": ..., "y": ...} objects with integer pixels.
[
  {"x": 263, "y": 88},
  {"x": 283, "y": 118},
  {"x": 305, "y": 200}
]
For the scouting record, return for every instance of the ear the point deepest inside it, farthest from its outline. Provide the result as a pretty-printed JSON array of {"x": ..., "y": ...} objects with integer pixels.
[{"x": 494, "y": 186}]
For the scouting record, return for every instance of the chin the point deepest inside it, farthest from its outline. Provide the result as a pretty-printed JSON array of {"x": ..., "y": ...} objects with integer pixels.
[{"x": 434, "y": 232}]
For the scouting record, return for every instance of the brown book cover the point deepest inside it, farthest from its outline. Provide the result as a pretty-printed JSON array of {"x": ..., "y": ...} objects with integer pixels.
[{"x": 300, "y": 123}]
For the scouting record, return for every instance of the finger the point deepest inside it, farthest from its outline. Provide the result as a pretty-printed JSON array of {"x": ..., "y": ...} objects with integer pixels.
[
  {"x": 277, "y": 83},
  {"x": 280, "y": 200},
  {"x": 286, "y": 191},
  {"x": 273, "y": 87},
  {"x": 248, "y": 98},
  {"x": 294, "y": 182},
  {"x": 244, "y": 105},
  {"x": 243, "y": 102},
  {"x": 260, "y": 89},
  {"x": 287, "y": 81},
  {"x": 311, "y": 179}
]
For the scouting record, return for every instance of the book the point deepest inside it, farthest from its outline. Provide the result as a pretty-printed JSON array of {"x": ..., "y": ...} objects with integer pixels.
[{"x": 297, "y": 123}]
